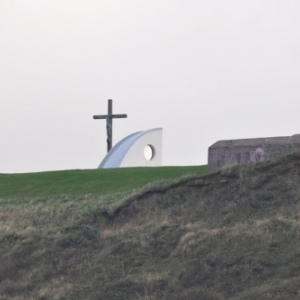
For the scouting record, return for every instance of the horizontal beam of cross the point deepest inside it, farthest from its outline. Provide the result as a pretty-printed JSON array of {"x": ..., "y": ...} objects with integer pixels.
[{"x": 109, "y": 116}]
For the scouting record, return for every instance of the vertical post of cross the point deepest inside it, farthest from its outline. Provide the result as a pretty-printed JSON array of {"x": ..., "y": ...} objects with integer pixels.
[
  {"x": 109, "y": 118},
  {"x": 109, "y": 124}
]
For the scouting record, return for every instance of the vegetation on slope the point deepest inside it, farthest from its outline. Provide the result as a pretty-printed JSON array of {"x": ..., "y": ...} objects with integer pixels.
[{"x": 233, "y": 234}]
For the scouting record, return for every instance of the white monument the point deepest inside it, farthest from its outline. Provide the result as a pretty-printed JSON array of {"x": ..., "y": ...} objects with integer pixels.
[{"x": 140, "y": 149}]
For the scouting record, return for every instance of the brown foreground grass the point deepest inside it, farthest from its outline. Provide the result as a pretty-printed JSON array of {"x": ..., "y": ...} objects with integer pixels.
[{"x": 233, "y": 234}]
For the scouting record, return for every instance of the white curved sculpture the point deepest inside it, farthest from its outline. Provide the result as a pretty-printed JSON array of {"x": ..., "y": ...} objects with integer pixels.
[{"x": 140, "y": 149}]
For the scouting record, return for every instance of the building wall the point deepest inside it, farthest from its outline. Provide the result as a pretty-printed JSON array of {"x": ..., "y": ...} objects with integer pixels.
[{"x": 220, "y": 156}]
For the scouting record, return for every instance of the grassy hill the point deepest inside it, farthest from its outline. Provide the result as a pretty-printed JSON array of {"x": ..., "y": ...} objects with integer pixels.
[
  {"x": 70, "y": 185},
  {"x": 233, "y": 234}
]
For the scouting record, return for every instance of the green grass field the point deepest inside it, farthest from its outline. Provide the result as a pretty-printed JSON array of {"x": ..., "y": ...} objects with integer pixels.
[{"x": 78, "y": 183}]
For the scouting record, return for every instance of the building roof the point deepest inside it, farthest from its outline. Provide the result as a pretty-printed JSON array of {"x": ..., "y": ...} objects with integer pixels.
[{"x": 294, "y": 139}]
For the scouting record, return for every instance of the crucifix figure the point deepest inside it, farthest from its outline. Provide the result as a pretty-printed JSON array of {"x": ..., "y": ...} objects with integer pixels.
[{"x": 109, "y": 118}]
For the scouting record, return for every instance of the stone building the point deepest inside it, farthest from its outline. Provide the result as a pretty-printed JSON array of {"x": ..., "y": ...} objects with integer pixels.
[{"x": 230, "y": 152}]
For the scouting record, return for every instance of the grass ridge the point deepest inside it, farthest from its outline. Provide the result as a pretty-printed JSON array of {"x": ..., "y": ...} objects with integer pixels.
[{"x": 232, "y": 234}]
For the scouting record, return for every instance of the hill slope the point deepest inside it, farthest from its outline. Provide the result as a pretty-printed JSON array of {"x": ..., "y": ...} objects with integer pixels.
[{"x": 233, "y": 234}]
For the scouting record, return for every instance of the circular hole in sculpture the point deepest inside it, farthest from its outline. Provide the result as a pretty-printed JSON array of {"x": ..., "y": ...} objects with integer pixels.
[{"x": 149, "y": 152}]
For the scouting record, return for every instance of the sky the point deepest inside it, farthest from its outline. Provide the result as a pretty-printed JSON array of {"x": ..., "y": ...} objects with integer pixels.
[{"x": 203, "y": 70}]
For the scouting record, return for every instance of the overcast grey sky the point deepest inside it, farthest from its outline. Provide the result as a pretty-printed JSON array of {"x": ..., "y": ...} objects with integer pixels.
[{"x": 202, "y": 70}]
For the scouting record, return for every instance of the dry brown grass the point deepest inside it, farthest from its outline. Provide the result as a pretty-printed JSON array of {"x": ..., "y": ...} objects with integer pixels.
[{"x": 231, "y": 235}]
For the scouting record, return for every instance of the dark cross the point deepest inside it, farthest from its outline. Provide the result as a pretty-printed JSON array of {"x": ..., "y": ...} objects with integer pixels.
[{"x": 109, "y": 120}]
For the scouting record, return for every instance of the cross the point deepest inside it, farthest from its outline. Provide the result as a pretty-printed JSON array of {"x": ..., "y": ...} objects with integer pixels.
[{"x": 109, "y": 120}]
